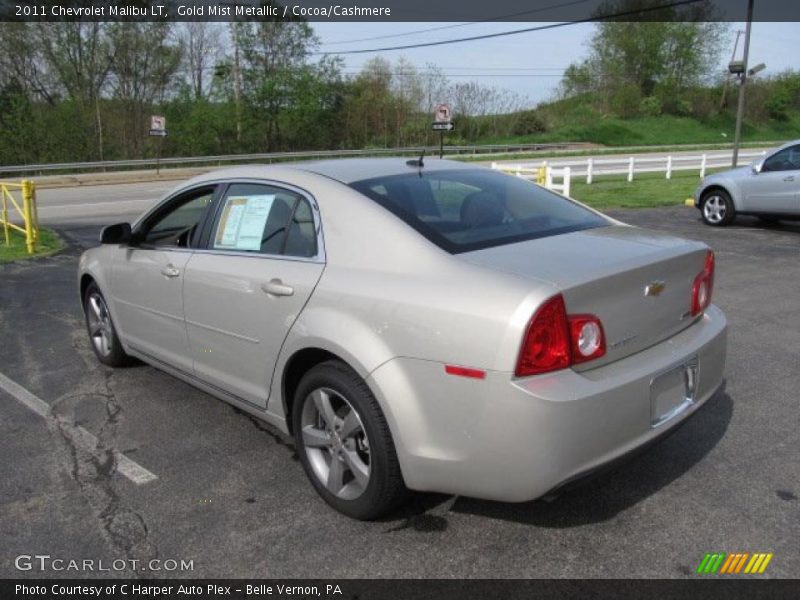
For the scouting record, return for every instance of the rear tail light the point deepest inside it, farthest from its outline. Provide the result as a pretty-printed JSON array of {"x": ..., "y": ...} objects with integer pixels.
[
  {"x": 556, "y": 341},
  {"x": 546, "y": 346},
  {"x": 588, "y": 339},
  {"x": 703, "y": 286}
]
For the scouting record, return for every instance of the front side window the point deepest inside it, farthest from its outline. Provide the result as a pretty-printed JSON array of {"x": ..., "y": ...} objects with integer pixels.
[
  {"x": 178, "y": 225},
  {"x": 463, "y": 210},
  {"x": 787, "y": 159},
  {"x": 266, "y": 220}
]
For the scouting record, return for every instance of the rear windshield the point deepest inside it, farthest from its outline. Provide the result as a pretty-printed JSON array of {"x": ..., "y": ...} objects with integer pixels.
[{"x": 464, "y": 210}]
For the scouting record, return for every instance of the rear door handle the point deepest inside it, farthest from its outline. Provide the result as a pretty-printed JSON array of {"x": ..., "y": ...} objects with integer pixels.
[
  {"x": 789, "y": 178},
  {"x": 170, "y": 271},
  {"x": 276, "y": 287}
]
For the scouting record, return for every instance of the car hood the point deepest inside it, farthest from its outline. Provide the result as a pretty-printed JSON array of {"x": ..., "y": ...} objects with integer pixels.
[{"x": 737, "y": 173}]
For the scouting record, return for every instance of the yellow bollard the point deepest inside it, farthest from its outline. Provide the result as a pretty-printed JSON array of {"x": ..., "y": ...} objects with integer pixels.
[
  {"x": 5, "y": 214},
  {"x": 28, "y": 200},
  {"x": 541, "y": 175}
]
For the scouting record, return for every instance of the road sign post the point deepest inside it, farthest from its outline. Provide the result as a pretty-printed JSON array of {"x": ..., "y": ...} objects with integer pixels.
[
  {"x": 442, "y": 123},
  {"x": 158, "y": 128}
]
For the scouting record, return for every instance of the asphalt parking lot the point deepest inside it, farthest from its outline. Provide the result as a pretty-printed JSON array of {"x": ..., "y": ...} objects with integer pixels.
[{"x": 231, "y": 497}]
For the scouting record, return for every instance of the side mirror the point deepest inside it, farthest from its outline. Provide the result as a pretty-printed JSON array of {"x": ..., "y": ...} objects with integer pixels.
[
  {"x": 756, "y": 166},
  {"x": 116, "y": 234}
]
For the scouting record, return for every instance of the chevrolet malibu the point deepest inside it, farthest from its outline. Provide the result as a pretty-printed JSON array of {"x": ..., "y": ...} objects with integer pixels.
[{"x": 414, "y": 325}]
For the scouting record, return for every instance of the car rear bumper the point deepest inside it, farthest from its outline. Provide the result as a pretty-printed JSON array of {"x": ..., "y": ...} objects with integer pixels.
[{"x": 515, "y": 440}]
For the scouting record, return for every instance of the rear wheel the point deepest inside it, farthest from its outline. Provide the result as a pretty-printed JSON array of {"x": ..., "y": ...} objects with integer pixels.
[
  {"x": 717, "y": 208},
  {"x": 102, "y": 333},
  {"x": 344, "y": 443}
]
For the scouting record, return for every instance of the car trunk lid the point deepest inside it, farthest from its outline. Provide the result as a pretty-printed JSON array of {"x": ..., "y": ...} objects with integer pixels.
[{"x": 637, "y": 282}]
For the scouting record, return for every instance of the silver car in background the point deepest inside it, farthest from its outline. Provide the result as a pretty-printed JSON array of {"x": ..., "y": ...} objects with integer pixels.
[
  {"x": 414, "y": 325},
  {"x": 769, "y": 188}
]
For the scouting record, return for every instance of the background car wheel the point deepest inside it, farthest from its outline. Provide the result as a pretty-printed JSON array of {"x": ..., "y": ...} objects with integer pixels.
[
  {"x": 344, "y": 443},
  {"x": 102, "y": 333},
  {"x": 717, "y": 208}
]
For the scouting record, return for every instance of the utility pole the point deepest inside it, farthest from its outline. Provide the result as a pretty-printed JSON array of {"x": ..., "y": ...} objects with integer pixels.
[
  {"x": 237, "y": 88},
  {"x": 728, "y": 77},
  {"x": 743, "y": 82}
]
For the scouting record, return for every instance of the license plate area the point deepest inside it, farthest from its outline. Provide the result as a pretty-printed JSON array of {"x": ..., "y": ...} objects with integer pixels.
[{"x": 673, "y": 392}]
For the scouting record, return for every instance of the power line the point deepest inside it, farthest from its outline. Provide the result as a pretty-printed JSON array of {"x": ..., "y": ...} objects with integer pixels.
[
  {"x": 494, "y": 19},
  {"x": 627, "y": 13},
  {"x": 426, "y": 68}
]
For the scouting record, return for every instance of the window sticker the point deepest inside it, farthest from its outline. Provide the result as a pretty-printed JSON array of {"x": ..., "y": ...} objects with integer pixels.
[{"x": 242, "y": 223}]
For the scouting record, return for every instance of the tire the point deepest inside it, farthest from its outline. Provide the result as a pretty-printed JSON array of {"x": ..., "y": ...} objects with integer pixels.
[
  {"x": 355, "y": 469},
  {"x": 717, "y": 208},
  {"x": 102, "y": 333}
]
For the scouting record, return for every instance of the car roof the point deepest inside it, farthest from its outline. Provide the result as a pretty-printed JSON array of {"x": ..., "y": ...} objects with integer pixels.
[
  {"x": 349, "y": 170},
  {"x": 344, "y": 170},
  {"x": 787, "y": 144}
]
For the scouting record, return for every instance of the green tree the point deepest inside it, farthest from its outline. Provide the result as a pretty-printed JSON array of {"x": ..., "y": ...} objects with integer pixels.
[
  {"x": 77, "y": 54},
  {"x": 630, "y": 61},
  {"x": 144, "y": 60}
]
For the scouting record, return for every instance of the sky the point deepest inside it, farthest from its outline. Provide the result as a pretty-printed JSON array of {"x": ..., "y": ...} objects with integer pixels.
[{"x": 530, "y": 64}]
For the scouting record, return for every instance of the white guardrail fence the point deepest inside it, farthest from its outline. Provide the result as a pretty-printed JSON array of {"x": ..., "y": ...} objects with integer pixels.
[{"x": 557, "y": 175}]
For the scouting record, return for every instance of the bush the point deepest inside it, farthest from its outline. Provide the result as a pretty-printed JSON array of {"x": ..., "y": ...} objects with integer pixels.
[
  {"x": 529, "y": 122},
  {"x": 650, "y": 106},
  {"x": 625, "y": 101}
]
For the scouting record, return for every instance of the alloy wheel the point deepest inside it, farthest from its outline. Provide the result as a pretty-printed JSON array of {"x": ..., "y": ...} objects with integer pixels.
[
  {"x": 336, "y": 443},
  {"x": 100, "y": 328},
  {"x": 715, "y": 209}
]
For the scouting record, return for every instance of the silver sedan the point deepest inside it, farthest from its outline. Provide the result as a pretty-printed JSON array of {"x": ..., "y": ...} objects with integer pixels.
[
  {"x": 414, "y": 325},
  {"x": 769, "y": 188}
]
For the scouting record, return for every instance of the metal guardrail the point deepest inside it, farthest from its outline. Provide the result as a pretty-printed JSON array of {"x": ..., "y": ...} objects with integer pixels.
[
  {"x": 27, "y": 213},
  {"x": 286, "y": 156}
]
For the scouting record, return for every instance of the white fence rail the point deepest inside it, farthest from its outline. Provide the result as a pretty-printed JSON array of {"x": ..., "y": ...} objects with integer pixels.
[
  {"x": 543, "y": 175},
  {"x": 628, "y": 165}
]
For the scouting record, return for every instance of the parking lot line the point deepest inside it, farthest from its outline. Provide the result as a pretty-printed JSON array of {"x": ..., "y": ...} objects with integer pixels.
[{"x": 86, "y": 440}]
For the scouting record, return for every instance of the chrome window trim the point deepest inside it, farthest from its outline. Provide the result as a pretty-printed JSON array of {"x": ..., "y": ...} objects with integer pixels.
[{"x": 320, "y": 257}]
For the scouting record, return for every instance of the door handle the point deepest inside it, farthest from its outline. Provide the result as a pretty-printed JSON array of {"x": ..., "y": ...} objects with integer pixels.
[
  {"x": 789, "y": 178},
  {"x": 170, "y": 271},
  {"x": 275, "y": 287}
]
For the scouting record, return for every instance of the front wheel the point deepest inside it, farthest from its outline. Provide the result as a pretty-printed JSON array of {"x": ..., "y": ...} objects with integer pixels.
[
  {"x": 102, "y": 333},
  {"x": 717, "y": 208},
  {"x": 344, "y": 443}
]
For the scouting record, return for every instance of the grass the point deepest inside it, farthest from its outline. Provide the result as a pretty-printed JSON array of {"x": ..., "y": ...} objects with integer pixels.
[
  {"x": 645, "y": 191},
  {"x": 49, "y": 243},
  {"x": 576, "y": 120}
]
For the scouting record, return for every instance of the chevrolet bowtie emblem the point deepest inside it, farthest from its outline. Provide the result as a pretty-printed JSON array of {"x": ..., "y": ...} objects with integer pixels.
[{"x": 654, "y": 288}]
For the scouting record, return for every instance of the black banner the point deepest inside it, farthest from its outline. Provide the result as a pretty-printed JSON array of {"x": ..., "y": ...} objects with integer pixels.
[
  {"x": 397, "y": 10},
  {"x": 730, "y": 588}
]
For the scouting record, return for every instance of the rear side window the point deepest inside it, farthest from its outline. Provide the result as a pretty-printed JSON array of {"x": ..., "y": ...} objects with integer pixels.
[
  {"x": 464, "y": 210},
  {"x": 265, "y": 220}
]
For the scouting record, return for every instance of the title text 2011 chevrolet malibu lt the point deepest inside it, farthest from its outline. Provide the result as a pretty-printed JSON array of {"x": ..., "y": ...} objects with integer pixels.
[{"x": 414, "y": 326}]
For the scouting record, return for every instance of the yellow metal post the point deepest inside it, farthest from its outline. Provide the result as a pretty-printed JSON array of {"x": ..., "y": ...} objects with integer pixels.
[
  {"x": 27, "y": 208},
  {"x": 541, "y": 175},
  {"x": 35, "y": 213},
  {"x": 3, "y": 193}
]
